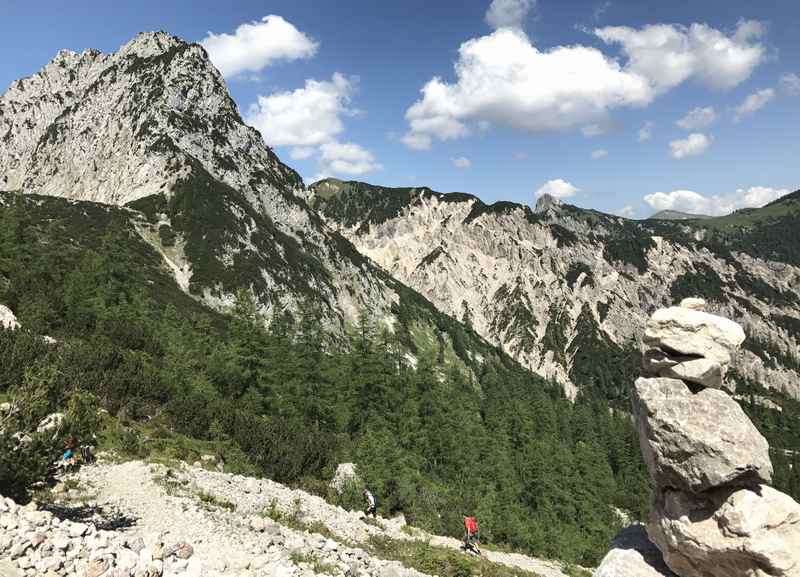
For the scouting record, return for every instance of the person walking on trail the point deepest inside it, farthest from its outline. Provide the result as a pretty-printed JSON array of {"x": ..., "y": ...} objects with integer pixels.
[
  {"x": 472, "y": 535},
  {"x": 372, "y": 508}
]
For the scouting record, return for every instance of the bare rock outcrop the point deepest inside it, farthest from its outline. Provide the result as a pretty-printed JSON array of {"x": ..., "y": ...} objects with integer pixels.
[
  {"x": 690, "y": 344},
  {"x": 7, "y": 318},
  {"x": 725, "y": 532},
  {"x": 695, "y": 442},
  {"x": 713, "y": 515},
  {"x": 632, "y": 554}
]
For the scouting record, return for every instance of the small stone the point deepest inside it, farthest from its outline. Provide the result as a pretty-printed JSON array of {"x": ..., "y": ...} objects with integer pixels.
[
  {"x": 19, "y": 549},
  {"x": 693, "y": 303},
  {"x": 257, "y": 524},
  {"x": 97, "y": 568},
  {"x": 136, "y": 544},
  {"x": 126, "y": 559},
  {"x": 184, "y": 550},
  {"x": 78, "y": 529}
]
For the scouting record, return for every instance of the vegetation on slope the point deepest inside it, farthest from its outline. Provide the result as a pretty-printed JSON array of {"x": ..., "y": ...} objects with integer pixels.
[{"x": 433, "y": 440}]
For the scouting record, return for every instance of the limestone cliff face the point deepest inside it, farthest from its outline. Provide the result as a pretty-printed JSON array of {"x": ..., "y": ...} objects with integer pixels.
[
  {"x": 563, "y": 289},
  {"x": 153, "y": 127}
]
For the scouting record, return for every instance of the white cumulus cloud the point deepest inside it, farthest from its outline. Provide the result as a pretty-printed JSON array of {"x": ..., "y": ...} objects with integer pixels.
[
  {"x": 304, "y": 117},
  {"x": 693, "y": 145},
  {"x": 309, "y": 120},
  {"x": 557, "y": 188},
  {"x": 508, "y": 13},
  {"x": 599, "y": 153},
  {"x": 790, "y": 82},
  {"x": 753, "y": 102},
  {"x": 697, "y": 118},
  {"x": 669, "y": 54},
  {"x": 256, "y": 45},
  {"x": 347, "y": 158},
  {"x": 504, "y": 80},
  {"x": 462, "y": 162},
  {"x": 627, "y": 211},
  {"x": 714, "y": 205},
  {"x": 646, "y": 132}
]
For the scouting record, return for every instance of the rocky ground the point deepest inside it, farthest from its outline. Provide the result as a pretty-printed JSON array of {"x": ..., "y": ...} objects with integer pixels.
[{"x": 137, "y": 519}]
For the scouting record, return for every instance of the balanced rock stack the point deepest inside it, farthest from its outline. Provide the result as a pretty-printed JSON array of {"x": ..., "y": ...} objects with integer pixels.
[{"x": 714, "y": 515}]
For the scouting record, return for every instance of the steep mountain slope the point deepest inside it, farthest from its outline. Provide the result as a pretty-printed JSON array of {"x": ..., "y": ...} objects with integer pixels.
[
  {"x": 152, "y": 126},
  {"x": 567, "y": 291}
]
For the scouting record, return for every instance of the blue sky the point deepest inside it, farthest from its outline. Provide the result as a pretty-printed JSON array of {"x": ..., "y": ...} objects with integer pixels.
[{"x": 550, "y": 95}]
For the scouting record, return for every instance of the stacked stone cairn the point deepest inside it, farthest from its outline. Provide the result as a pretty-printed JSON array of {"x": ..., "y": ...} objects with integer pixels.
[{"x": 714, "y": 514}]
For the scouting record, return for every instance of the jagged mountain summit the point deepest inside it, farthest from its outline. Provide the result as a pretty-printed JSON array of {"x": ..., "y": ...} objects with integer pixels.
[
  {"x": 566, "y": 291},
  {"x": 153, "y": 128}
]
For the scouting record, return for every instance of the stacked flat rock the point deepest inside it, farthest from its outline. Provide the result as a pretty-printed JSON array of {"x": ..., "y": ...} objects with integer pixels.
[{"x": 714, "y": 514}]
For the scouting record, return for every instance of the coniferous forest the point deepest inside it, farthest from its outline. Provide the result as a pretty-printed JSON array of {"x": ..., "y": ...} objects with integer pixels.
[
  {"x": 279, "y": 397},
  {"x": 282, "y": 398}
]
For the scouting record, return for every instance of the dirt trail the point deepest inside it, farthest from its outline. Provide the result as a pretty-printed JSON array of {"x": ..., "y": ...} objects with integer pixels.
[{"x": 223, "y": 539}]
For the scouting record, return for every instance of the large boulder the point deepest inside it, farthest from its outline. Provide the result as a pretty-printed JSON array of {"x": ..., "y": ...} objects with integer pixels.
[
  {"x": 632, "y": 554},
  {"x": 727, "y": 532},
  {"x": 696, "y": 442},
  {"x": 693, "y": 333},
  {"x": 7, "y": 318},
  {"x": 704, "y": 372}
]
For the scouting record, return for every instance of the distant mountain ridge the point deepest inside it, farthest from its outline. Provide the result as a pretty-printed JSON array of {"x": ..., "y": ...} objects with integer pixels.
[
  {"x": 676, "y": 215},
  {"x": 567, "y": 291}
]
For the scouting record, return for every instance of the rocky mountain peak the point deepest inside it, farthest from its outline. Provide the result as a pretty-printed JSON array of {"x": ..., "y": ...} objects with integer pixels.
[
  {"x": 546, "y": 202},
  {"x": 147, "y": 44}
]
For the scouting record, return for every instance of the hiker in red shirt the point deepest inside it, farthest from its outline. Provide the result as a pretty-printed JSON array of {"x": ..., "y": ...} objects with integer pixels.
[{"x": 471, "y": 535}]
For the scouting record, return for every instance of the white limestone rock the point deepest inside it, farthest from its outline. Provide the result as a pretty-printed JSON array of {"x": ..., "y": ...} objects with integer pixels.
[
  {"x": 692, "y": 332},
  {"x": 704, "y": 372},
  {"x": 748, "y": 532},
  {"x": 346, "y": 473},
  {"x": 7, "y": 318},
  {"x": 693, "y": 303},
  {"x": 697, "y": 442},
  {"x": 632, "y": 554}
]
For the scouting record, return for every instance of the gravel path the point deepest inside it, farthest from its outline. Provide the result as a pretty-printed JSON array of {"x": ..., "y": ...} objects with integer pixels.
[{"x": 188, "y": 504}]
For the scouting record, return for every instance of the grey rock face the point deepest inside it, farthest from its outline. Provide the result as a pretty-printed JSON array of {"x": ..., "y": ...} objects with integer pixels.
[
  {"x": 153, "y": 118},
  {"x": 703, "y": 372},
  {"x": 524, "y": 276},
  {"x": 546, "y": 202},
  {"x": 727, "y": 532},
  {"x": 632, "y": 554},
  {"x": 696, "y": 442},
  {"x": 695, "y": 333}
]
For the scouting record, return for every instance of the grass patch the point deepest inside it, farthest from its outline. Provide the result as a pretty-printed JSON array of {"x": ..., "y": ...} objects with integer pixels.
[
  {"x": 439, "y": 561},
  {"x": 312, "y": 560},
  {"x": 295, "y": 519},
  {"x": 212, "y": 501}
]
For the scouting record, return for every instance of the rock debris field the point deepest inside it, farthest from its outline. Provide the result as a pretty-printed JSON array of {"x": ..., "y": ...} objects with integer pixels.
[{"x": 135, "y": 519}]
